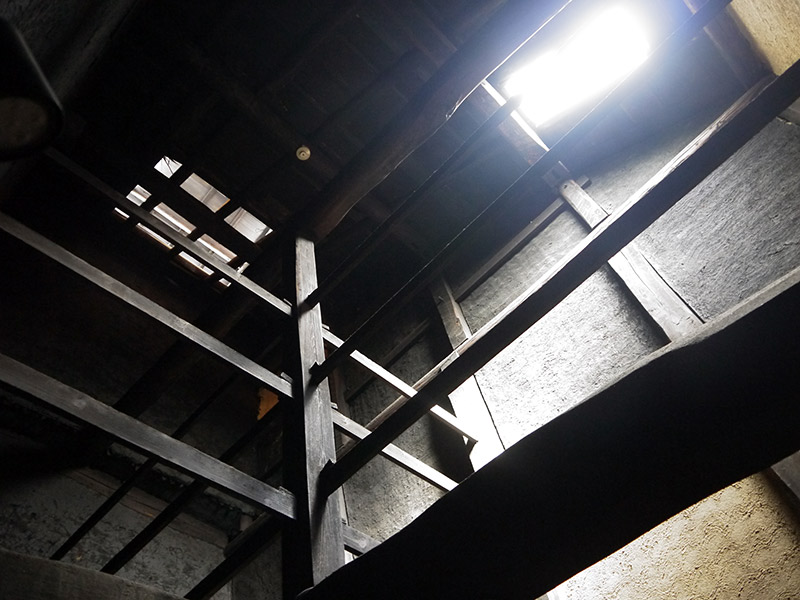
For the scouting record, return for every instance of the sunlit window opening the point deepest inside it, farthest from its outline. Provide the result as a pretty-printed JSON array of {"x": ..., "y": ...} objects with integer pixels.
[
  {"x": 597, "y": 57},
  {"x": 205, "y": 192},
  {"x": 167, "y": 166},
  {"x": 248, "y": 225},
  {"x": 216, "y": 249}
]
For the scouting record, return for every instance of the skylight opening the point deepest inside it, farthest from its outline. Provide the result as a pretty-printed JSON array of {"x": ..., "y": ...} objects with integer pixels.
[
  {"x": 167, "y": 166},
  {"x": 173, "y": 219},
  {"x": 138, "y": 195},
  {"x": 600, "y": 55},
  {"x": 248, "y": 225},
  {"x": 155, "y": 236},
  {"x": 194, "y": 263},
  {"x": 205, "y": 192}
]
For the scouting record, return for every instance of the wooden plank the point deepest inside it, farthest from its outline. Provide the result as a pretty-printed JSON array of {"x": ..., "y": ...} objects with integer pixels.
[
  {"x": 666, "y": 308},
  {"x": 143, "y": 438},
  {"x": 709, "y": 150},
  {"x": 400, "y": 386},
  {"x": 136, "y": 300},
  {"x": 430, "y": 108},
  {"x": 690, "y": 420},
  {"x": 313, "y": 546},
  {"x": 396, "y": 455}
]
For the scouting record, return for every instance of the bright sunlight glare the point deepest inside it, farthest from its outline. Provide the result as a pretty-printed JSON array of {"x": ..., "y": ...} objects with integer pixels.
[{"x": 597, "y": 57}]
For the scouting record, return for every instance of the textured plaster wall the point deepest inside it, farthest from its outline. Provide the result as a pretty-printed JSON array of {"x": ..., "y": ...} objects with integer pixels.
[
  {"x": 742, "y": 542},
  {"x": 774, "y": 28}
]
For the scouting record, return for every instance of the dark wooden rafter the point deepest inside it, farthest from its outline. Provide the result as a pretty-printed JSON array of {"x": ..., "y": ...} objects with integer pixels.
[
  {"x": 313, "y": 546},
  {"x": 709, "y": 150},
  {"x": 674, "y": 429},
  {"x": 531, "y": 177},
  {"x": 430, "y": 108},
  {"x": 143, "y": 438}
]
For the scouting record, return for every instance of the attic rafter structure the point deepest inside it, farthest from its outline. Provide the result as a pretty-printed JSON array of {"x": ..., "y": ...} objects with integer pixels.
[{"x": 295, "y": 244}]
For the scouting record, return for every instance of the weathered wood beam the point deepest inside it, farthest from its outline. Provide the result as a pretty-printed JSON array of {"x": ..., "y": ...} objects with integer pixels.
[
  {"x": 709, "y": 150},
  {"x": 684, "y": 423},
  {"x": 143, "y": 438},
  {"x": 313, "y": 546},
  {"x": 148, "y": 307},
  {"x": 668, "y": 311},
  {"x": 430, "y": 108}
]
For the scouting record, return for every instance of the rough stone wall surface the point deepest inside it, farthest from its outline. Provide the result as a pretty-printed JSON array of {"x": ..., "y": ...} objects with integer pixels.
[
  {"x": 742, "y": 542},
  {"x": 37, "y": 515}
]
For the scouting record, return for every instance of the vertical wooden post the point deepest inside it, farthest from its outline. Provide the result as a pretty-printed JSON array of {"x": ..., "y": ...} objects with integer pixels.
[{"x": 313, "y": 546}]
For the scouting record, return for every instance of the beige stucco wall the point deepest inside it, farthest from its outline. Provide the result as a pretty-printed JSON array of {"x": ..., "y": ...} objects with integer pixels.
[
  {"x": 774, "y": 28},
  {"x": 743, "y": 542}
]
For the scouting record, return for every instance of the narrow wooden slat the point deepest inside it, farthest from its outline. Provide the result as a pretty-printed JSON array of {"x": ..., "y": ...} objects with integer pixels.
[
  {"x": 709, "y": 150},
  {"x": 144, "y": 304},
  {"x": 396, "y": 455},
  {"x": 143, "y": 438}
]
